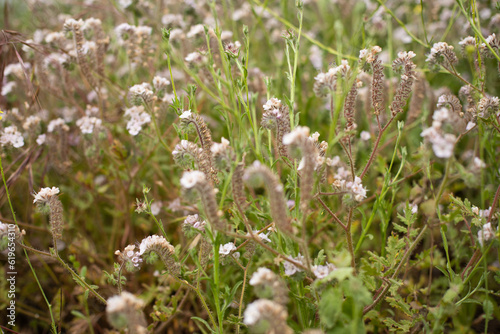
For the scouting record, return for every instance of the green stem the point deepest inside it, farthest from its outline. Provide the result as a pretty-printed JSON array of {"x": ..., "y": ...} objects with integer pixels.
[{"x": 53, "y": 324}]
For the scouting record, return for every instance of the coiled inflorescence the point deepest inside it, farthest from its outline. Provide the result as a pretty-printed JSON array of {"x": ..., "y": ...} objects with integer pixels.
[
  {"x": 276, "y": 117},
  {"x": 196, "y": 180},
  {"x": 377, "y": 86},
  {"x": 205, "y": 136},
  {"x": 408, "y": 75},
  {"x": 258, "y": 175}
]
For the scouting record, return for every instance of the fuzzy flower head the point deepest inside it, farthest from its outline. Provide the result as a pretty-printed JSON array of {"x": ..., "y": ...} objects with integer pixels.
[
  {"x": 441, "y": 53},
  {"x": 10, "y": 136},
  {"x": 290, "y": 268},
  {"x": 45, "y": 194},
  {"x": 194, "y": 221},
  {"x": 138, "y": 118},
  {"x": 191, "y": 179},
  {"x": 268, "y": 316},
  {"x": 130, "y": 256},
  {"x": 485, "y": 234},
  {"x": 10, "y": 231},
  {"x": 297, "y": 136},
  {"x": 125, "y": 312},
  {"x": 321, "y": 271},
  {"x": 88, "y": 123},
  {"x": 155, "y": 243},
  {"x": 141, "y": 93},
  {"x": 227, "y": 249}
]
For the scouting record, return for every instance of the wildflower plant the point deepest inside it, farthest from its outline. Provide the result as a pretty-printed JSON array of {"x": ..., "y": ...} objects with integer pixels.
[{"x": 250, "y": 166}]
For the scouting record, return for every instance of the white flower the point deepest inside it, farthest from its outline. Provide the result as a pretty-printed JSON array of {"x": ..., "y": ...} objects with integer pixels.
[
  {"x": 195, "y": 30},
  {"x": 159, "y": 83},
  {"x": 220, "y": 148},
  {"x": 485, "y": 234},
  {"x": 469, "y": 126},
  {"x": 124, "y": 3},
  {"x": 45, "y": 194},
  {"x": 194, "y": 222},
  {"x": 290, "y": 268},
  {"x": 190, "y": 179},
  {"x": 87, "y": 124},
  {"x": 155, "y": 208},
  {"x": 357, "y": 189},
  {"x": 40, "y": 140},
  {"x": 57, "y": 123},
  {"x": 264, "y": 309},
  {"x": 322, "y": 271},
  {"x": 365, "y": 135},
  {"x": 31, "y": 122},
  {"x": 11, "y": 136},
  {"x": 478, "y": 163},
  {"x": 138, "y": 117},
  {"x": 8, "y": 87},
  {"x": 227, "y": 248},
  {"x": 124, "y": 303},
  {"x": 475, "y": 210},
  {"x": 155, "y": 242},
  {"x": 262, "y": 275},
  {"x": 186, "y": 114},
  {"x": 298, "y": 134}
]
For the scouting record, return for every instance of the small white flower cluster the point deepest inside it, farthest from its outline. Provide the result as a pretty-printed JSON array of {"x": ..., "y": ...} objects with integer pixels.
[
  {"x": 321, "y": 271},
  {"x": 5, "y": 231},
  {"x": 57, "y": 123},
  {"x": 297, "y": 136},
  {"x": 88, "y": 123},
  {"x": 138, "y": 117},
  {"x": 16, "y": 69},
  {"x": 133, "y": 254},
  {"x": 155, "y": 242},
  {"x": 195, "y": 58},
  {"x": 124, "y": 32},
  {"x": 190, "y": 178},
  {"x": 195, "y": 222},
  {"x": 441, "y": 51},
  {"x": 227, "y": 249},
  {"x": 442, "y": 143},
  {"x": 160, "y": 83},
  {"x": 141, "y": 92},
  {"x": 45, "y": 194},
  {"x": 196, "y": 30},
  {"x": 124, "y": 303},
  {"x": 220, "y": 148},
  {"x": 262, "y": 276},
  {"x": 290, "y": 268},
  {"x": 485, "y": 234},
  {"x": 31, "y": 122},
  {"x": 342, "y": 183},
  {"x": 319, "y": 158},
  {"x": 130, "y": 254},
  {"x": 156, "y": 208},
  {"x": 40, "y": 140},
  {"x": 478, "y": 163},
  {"x": 487, "y": 106},
  {"x": 481, "y": 213},
  {"x": 369, "y": 55},
  {"x": 10, "y": 136},
  {"x": 264, "y": 309},
  {"x": 262, "y": 236}
]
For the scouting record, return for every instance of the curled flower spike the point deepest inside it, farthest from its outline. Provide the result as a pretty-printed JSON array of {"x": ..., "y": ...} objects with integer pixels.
[
  {"x": 452, "y": 101},
  {"x": 49, "y": 196},
  {"x": 276, "y": 117},
  {"x": 405, "y": 85},
  {"x": 125, "y": 312},
  {"x": 267, "y": 314},
  {"x": 197, "y": 180},
  {"x": 442, "y": 54},
  {"x": 269, "y": 285},
  {"x": 188, "y": 118},
  {"x": 259, "y": 174}
]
